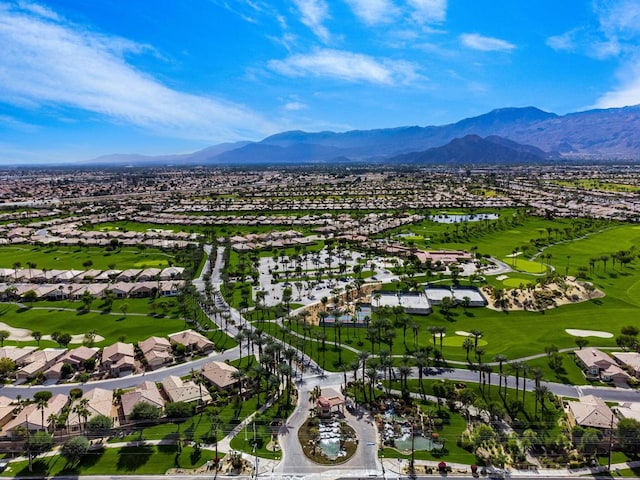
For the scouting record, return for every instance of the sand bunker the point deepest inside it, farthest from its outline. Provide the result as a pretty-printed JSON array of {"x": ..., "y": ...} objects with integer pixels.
[
  {"x": 511, "y": 255},
  {"x": 79, "y": 338},
  {"x": 502, "y": 277},
  {"x": 588, "y": 333},
  {"x": 462, "y": 333},
  {"x": 16, "y": 333},
  {"x": 23, "y": 334}
]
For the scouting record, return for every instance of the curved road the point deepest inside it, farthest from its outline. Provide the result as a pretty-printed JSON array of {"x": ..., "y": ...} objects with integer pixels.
[{"x": 294, "y": 462}]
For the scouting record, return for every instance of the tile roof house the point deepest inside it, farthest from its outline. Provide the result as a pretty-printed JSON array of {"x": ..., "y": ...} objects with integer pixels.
[
  {"x": 598, "y": 363},
  {"x": 39, "y": 361},
  {"x": 220, "y": 375},
  {"x": 100, "y": 402},
  {"x": 192, "y": 340},
  {"x": 75, "y": 357},
  {"x": 145, "y": 392},
  {"x": 591, "y": 411},
  {"x": 18, "y": 354},
  {"x": 149, "y": 274},
  {"x": 594, "y": 360},
  {"x": 31, "y": 416},
  {"x": 630, "y": 360},
  {"x": 178, "y": 390},
  {"x": 156, "y": 351},
  {"x": 118, "y": 359}
]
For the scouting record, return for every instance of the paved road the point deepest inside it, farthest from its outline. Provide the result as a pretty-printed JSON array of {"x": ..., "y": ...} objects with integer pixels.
[
  {"x": 365, "y": 459},
  {"x": 294, "y": 464},
  {"x": 180, "y": 370}
]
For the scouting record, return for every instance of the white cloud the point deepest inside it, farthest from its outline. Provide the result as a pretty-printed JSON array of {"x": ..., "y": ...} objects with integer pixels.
[
  {"x": 373, "y": 12},
  {"x": 486, "y": 44},
  {"x": 564, "y": 42},
  {"x": 45, "y": 61},
  {"x": 428, "y": 11},
  {"x": 628, "y": 90},
  {"x": 314, "y": 13},
  {"x": 348, "y": 66},
  {"x": 294, "y": 106}
]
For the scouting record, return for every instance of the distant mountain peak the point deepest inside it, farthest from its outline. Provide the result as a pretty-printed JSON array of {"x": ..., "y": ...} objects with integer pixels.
[{"x": 521, "y": 134}]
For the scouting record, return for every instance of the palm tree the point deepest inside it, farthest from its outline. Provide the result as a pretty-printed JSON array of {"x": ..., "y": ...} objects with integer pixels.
[
  {"x": 4, "y": 334},
  {"x": 53, "y": 420},
  {"x": 476, "y": 336},
  {"x": 404, "y": 371},
  {"x": 82, "y": 411},
  {"x": 363, "y": 355},
  {"x": 441, "y": 331},
  {"x": 372, "y": 374},
  {"x": 500, "y": 359},
  {"x": 415, "y": 327},
  {"x": 467, "y": 344},
  {"x": 515, "y": 368},
  {"x": 238, "y": 376},
  {"x": 421, "y": 362},
  {"x": 525, "y": 370}
]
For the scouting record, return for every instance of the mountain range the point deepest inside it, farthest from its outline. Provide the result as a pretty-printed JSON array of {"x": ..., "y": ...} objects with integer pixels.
[{"x": 503, "y": 136}]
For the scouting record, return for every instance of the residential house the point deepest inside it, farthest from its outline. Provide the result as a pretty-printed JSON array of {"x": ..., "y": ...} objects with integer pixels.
[
  {"x": 171, "y": 273},
  {"x": 75, "y": 357},
  {"x": 20, "y": 355},
  {"x": 107, "y": 275},
  {"x": 7, "y": 409},
  {"x": 31, "y": 416},
  {"x": 118, "y": 359},
  {"x": 220, "y": 375},
  {"x": 129, "y": 275},
  {"x": 170, "y": 288},
  {"x": 599, "y": 364},
  {"x": 39, "y": 361},
  {"x": 591, "y": 411},
  {"x": 156, "y": 351},
  {"x": 145, "y": 392},
  {"x": 143, "y": 289},
  {"x": 631, "y": 360},
  {"x": 178, "y": 390},
  {"x": 100, "y": 402},
  {"x": 121, "y": 289},
  {"x": 193, "y": 341},
  {"x": 149, "y": 274}
]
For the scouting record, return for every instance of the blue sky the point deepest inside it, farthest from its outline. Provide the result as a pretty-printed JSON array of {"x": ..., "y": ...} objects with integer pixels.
[{"x": 83, "y": 78}]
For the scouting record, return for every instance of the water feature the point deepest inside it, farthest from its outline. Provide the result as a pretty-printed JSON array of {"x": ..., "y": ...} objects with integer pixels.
[
  {"x": 419, "y": 443},
  {"x": 329, "y": 443}
]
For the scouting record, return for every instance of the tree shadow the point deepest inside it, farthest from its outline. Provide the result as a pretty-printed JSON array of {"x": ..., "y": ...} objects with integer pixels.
[
  {"x": 131, "y": 459},
  {"x": 88, "y": 460}
]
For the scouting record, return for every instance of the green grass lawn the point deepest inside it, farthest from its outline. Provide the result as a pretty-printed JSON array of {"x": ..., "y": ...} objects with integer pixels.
[
  {"x": 141, "y": 460},
  {"x": 523, "y": 265},
  {"x": 67, "y": 258},
  {"x": 263, "y": 430},
  {"x": 200, "y": 427},
  {"x": 454, "y": 424},
  {"x": 112, "y": 327},
  {"x": 569, "y": 374}
]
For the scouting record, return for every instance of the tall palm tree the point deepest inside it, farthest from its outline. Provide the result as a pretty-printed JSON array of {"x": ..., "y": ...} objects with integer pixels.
[
  {"x": 441, "y": 331},
  {"x": 404, "y": 371},
  {"x": 467, "y": 344},
  {"x": 476, "y": 336},
  {"x": 82, "y": 411},
  {"x": 500, "y": 359},
  {"x": 525, "y": 370},
  {"x": 421, "y": 363},
  {"x": 363, "y": 355},
  {"x": 372, "y": 374}
]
